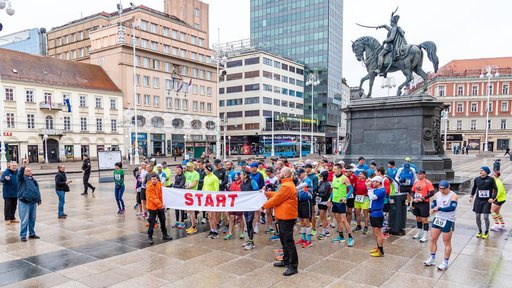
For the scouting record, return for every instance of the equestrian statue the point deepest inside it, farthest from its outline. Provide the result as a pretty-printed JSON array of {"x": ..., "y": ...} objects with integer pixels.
[{"x": 393, "y": 55}]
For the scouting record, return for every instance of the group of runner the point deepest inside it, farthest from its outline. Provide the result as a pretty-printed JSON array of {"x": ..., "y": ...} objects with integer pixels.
[{"x": 331, "y": 192}]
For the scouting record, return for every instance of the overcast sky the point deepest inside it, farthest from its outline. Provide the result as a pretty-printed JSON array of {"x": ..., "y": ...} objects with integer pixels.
[{"x": 461, "y": 29}]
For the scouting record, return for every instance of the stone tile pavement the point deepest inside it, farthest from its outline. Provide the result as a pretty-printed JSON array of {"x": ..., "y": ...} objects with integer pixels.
[{"x": 94, "y": 247}]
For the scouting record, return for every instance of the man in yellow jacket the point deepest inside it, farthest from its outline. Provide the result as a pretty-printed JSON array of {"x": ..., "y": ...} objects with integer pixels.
[
  {"x": 285, "y": 204},
  {"x": 155, "y": 206}
]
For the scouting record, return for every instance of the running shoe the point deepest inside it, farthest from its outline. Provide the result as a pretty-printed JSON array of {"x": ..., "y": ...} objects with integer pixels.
[
  {"x": 307, "y": 244},
  {"x": 486, "y": 235},
  {"x": 365, "y": 231},
  {"x": 417, "y": 236},
  {"x": 242, "y": 235},
  {"x": 249, "y": 246},
  {"x": 358, "y": 228},
  {"x": 502, "y": 225},
  {"x": 496, "y": 227},
  {"x": 313, "y": 232},
  {"x": 424, "y": 238},
  {"x": 374, "y": 250},
  {"x": 274, "y": 238},
  {"x": 245, "y": 243},
  {"x": 135, "y": 206},
  {"x": 226, "y": 230},
  {"x": 279, "y": 251},
  {"x": 338, "y": 239},
  {"x": 214, "y": 235},
  {"x": 191, "y": 230},
  {"x": 263, "y": 220},
  {"x": 203, "y": 221},
  {"x": 350, "y": 242},
  {"x": 377, "y": 254},
  {"x": 443, "y": 266},
  {"x": 227, "y": 237},
  {"x": 300, "y": 242},
  {"x": 269, "y": 230},
  {"x": 181, "y": 225},
  {"x": 430, "y": 262},
  {"x": 479, "y": 235},
  {"x": 176, "y": 225}
]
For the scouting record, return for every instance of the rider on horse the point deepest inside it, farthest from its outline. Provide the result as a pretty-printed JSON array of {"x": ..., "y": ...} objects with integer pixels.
[{"x": 394, "y": 43}]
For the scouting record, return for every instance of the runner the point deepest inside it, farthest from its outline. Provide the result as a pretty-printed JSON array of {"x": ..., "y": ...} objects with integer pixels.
[
  {"x": 362, "y": 166},
  {"x": 271, "y": 184},
  {"x": 421, "y": 191},
  {"x": 311, "y": 174},
  {"x": 211, "y": 183},
  {"x": 485, "y": 189},
  {"x": 350, "y": 172},
  {"x": 258, "y": 178},
  {"x": 304, "y": 188},
  {"x": 167, "y": 171},
  {"x": 341, "y": 191},
  {"x": 377, "y": 194},
  {"x": 387, "y": 184},
  {"x": 371, "y": 171},
  {"x": 248, "y": 185},
  {"x": 179, "y": 182},
  {"x": 323, "y": 195},
  {"x": 444, "y": 204},
  {"x": 191, "y": 183},
  {"x": 362, "y": 202},
  {"x": 119, "y": 187},
  {"x": 499, "y": 223},
  {"x": 406, "y": 176},
  {"x": 223, "y": 177},
  {"x": 235, "y": 186}
]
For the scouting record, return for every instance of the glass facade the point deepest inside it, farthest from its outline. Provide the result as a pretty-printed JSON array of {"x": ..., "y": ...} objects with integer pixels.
[
  {"x": 32, "y": 41},
  {"x": 310, "y": 32}
]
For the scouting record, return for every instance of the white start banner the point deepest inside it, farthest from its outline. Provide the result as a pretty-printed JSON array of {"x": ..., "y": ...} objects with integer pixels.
[{"x": 229, "y": 201}]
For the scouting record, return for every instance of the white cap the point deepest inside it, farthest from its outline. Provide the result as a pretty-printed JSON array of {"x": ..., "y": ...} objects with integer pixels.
[
  {"x": 159, "y": 166},
  {"x": 378, "y": 179}
]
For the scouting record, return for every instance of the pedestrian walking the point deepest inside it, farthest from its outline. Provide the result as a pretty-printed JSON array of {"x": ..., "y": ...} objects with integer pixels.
[
  {"x": 507, "y": 151},
  {"x": 119, "y": 187},
  {"x": 61, "y": 187},
  {"x": 86, "y": 168},
  {"x": 29, "y": 198},
  {"x": 10, "y": 192}
]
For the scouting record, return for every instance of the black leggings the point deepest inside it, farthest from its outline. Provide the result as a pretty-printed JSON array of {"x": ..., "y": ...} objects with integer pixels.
[{"x": 178, "y": 214}]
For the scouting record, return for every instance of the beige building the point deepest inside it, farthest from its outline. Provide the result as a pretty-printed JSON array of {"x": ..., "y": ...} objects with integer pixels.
[
  {"x": 35, "y": 93},
  {"x": 193, "y": 12},
  {"x": 175, "y": 81}
]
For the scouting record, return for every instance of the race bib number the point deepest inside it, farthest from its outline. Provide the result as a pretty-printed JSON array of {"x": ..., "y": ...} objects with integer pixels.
[
  {"x": 417, "y": 196},
  {"x": 351, "y": 196},
  {"x": 360, "y": 198},
  {"x": 439, "y": 222},
  {"x": 318, "y": 199},
  {"x": 484, "y": 193},
  {"x": 407, "y": 181},
  {"x": 117, "y": 176}
]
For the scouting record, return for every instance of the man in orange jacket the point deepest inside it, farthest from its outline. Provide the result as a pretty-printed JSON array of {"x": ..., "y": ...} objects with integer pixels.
[
  {"x": 155, "y": 206},
  {"x": 285, "y": 204}
]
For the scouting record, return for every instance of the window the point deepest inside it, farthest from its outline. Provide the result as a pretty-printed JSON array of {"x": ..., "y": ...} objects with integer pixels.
[
  {"x": 209, "y": 107},
  {"x": 252, "y": 100},
  {"x": 267, "y": 74},
  {"x": 235, "y": 63},
  {"x": 208, "y": 75},
  {"x": 49, "y": 122},
  {"x": 147, "y": 100},
  {"x": 459, "y": 124},
  {"x": 504, "y": 106},
  {"x": 168, "y": 102},
  {"x": 277, "y": 102},
  {"x": 194, "y": 72},
  {"x": 200, "y": 43},
  {"x": 252, "y": 61},
  {"x": 137, "y": 99},
  {"x": 113, "y": 125},
  {"x": 156, "y": 82},
  {"x": 31, "y": 121},
  {"x": 489, "y": 89},
  {"x": 440, "y": 91},
  {"x": 299, "y": 94},
  {"x": 156, "y": 64},
  {"x": 201, "y": 74},
  {"x": 174, "y": 34},
  {"x": 460, "y": 90},
  {"x": 146, "y": 81},
  {"x": 201, "y": 107},
  {"x": 156, "y": 101},
  {"x": 177, "y": 104},
  {"x": 113, "y": 104},
  {"x": 252, "y": 113},
  {"x": 267, "y": 61},
  {"x": 185, "y": 105},
  {"x": 166, "y": 49},
  {"x": 267, "y": 87},
  {"x": 193, "y": 40},
  {"x": 184, "y": 70},
  {"x": 200, "y": 57},
  {"x": 221, "y": 103},
  {"x": 255, "y": 87},
  {"x": 165, "y": 32},
  {"x": 9, "y": 94},
  {"x": 267, "y": 100},
  {"x": 277, "y": 64},
  {"x": 284, "y": 79},
  {"x": 197, "y": 12},
  {"x": 183, "y": 37},
  {"x": 284, "y": 91},
  {"x": 291, "y": 92},
  {"x": 48, "y": 97},
  {"x": 474, "y": 107},
  {"x": 144, "y": 43},
  {"x": 473, "y": 125},
  {"x": 143, "y": 25},
  {"x": 183, "y": 53},
  {"x": 29, "y": 96},
  {"x": 221, "y": 90},
  {"x": 193, "y": 55},
  {"x": 284, "y": 66},
  {"x": 174, "y": 51},
  {"x": 291, "y": 69},
  {"x": 194, "y": 89},
  {"x": 67, "y": 123},
  {"x": 194, "y": 106},
  {"x": 234, "y": 76},
  {"x": 99, "y": 124},
  {"x": 504, "y": 89},
  {"x": 277, "y": 89},
  {"x": 474, "y": 90},
  {"x": 234, "y": 89},
  {"x": 237, "y": 114},
  {"x": 209, "y": 91},
  {"x": 252, "y": 74},
  {"x": 234, "y": 102},
  {"x": 503, "y": 124},
  {"x": 291, "y": 104},
  {"x": 98, "y": 103},
  {"x": 201, "y": 90},
  {"x": 10, "y": 120},
  {"x": 460, "y": 107},
  {"x": 154, "y": 28},
  {"x": 83, "y": 101},
  {"x": 284, "y": 103},
  {"x": 490, "y": 107}
]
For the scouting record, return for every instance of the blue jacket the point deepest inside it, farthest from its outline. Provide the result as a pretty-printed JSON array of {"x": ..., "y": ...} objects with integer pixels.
[
  {"x": 28, "y": 189},
  {"x": 10, "y": 187}
]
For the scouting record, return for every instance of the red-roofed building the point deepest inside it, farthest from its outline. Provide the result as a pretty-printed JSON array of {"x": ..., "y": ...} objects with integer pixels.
[{"x": 463, "y": 85}]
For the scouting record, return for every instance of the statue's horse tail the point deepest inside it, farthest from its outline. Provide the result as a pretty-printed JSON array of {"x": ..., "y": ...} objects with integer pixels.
[{"x": 431, "y": 49}]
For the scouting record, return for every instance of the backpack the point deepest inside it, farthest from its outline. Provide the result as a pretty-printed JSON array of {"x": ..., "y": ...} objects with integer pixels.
[
  {"x": 406, "y": 177},
  {"x": 304, "y": 195},
  {"x": 324, "y": 189}
]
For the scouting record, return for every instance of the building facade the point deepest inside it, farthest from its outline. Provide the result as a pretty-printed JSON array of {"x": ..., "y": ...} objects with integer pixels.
[
  {"x": 172, "y": 73},
  {"x": 32, "y": 41},
  {"x": 75, "y": 106},
  {"x": 261, "y": 91},
  {"x": 193, "y": 12},
  {"x": 463, "y": 84},
  {"x": 310, "y": 33}
]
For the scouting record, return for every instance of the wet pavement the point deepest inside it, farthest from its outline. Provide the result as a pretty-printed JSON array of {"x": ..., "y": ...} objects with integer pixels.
[{"x": 95, "y": 247}]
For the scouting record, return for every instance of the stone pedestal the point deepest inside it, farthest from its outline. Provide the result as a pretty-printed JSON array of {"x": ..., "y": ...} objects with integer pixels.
[{"x": 392, "y": 128}]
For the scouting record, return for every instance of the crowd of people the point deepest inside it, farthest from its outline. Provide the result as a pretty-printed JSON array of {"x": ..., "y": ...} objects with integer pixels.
[{"x": 297, "y": 194}]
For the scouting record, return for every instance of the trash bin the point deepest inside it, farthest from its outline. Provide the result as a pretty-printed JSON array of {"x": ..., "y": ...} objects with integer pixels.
[{"x": 397, "y": 214}]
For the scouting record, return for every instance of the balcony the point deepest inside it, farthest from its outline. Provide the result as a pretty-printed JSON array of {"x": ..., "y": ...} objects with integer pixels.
[
  {"x": 55, "y": 106},
  {"x": 52, "y": 132}
]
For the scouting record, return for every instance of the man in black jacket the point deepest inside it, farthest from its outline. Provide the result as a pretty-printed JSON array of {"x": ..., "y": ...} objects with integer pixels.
[
  {"x": 61, "y": 187},
  {"x": 29, "y": 197},
  {"x": 179, "y": 182},
  {"x": 86, "y": 167}
]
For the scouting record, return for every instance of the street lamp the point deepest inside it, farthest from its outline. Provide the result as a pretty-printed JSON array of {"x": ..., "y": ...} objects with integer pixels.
[
  {"x": 219, "y": 58},
  {"x": 185, "y": 146},
  {"x": 229, "y": 146},
  {"x": 10, "y": 11},
  {"x": 388, "y": 82},
  {"x": 135, "y": 24},
  {"x": 489, "y": 70},
  {"x": 45, "y": 137},
  {"x": 225, "y": 124},
  {"x": 313, "y": 81}
]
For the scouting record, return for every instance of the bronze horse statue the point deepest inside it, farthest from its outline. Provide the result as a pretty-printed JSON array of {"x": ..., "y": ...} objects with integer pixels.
[{"x": 367, "y": 49}]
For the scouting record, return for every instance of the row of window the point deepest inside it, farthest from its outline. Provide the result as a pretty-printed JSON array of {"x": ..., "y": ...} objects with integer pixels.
[
  {"x": 473, "y": 124},
  {"x": 70, "y": 38},
  {"x": 283, "y": 66},
  {"x": 177, "y": 103},
  {"x": 256, "y": 100},
  {"x": 441, "y": 90},
  {"x": 172, "y": 33},
  {"x": 266, "y": 114},
  {"x": 67, "y": 125},
  {"x": 256, "y": 87},
  {"x": 49, "y": 97},
  {"x": 266, "y": 74},
  {"x": 474, "y": 107},
  {"x": 74, "y": 54},
  {"x": 171, "y": 85},
  {"x": 170, "y": 68},
  {"x": 174, "y": 51}
]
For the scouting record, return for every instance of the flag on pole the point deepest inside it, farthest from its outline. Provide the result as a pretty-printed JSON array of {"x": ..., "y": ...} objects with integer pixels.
[{"x": 68, "y": 103}]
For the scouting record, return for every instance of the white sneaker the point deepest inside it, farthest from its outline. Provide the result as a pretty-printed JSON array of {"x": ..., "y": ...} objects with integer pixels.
[
  {"x": 418, "y": 235},
  {"x": 249, "y": 246},
  {"x": 502, "y": 226},
  {"x": 203, "y": 221},
  {"x": 496, "y": 227},
  {"x": 424, "y": 238},
  {"x": 430, "y": 261},
  {"x": 256, "y": 228},
  {"x": 443, "y": 266}
]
